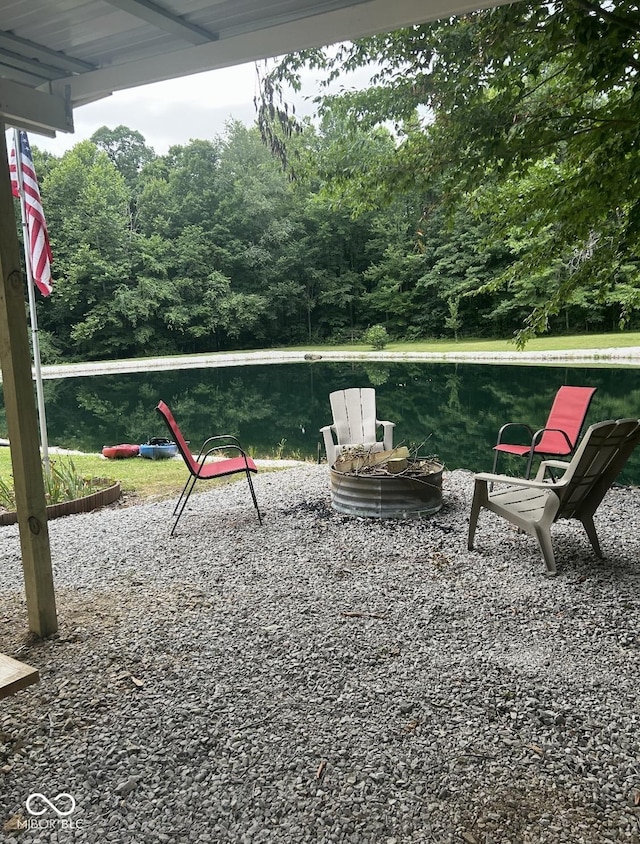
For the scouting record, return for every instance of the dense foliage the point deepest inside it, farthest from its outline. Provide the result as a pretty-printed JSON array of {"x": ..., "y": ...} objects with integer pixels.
[
  {"x": 525, "y": 117},
  {"x": 486, "y": 183}
]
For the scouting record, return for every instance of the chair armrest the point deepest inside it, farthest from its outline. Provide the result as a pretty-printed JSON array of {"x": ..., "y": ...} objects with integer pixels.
[
  {"x": 488, "y": 477},
  {"x": 551, "y": 464},
  {"x": 538, "y": 436},
  {"x": 331, "y": 446},
  {"x": 388, "y": 426},
  {"x": 225, "y": 447},
  {"x": 514, "y": 425},
  {"x": 328, "y": 431},
  {"x": 233, "y": 442},
  {"x": 387, "y": 435}
]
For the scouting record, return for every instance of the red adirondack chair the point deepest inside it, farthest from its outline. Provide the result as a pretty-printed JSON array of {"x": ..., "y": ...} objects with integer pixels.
[
  {"x": 199, "y": 469},
  {"x": 560, "y": 434}
]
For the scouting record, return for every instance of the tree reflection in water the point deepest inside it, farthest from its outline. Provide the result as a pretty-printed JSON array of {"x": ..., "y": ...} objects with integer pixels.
[{"x": 454, "y": 409}]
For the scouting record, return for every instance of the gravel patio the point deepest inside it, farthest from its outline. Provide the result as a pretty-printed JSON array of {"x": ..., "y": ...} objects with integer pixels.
[{"x": 325, "y": 678}]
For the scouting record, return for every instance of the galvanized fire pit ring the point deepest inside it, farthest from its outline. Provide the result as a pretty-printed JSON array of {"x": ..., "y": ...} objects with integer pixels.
[{"x": 387, "y": 496}]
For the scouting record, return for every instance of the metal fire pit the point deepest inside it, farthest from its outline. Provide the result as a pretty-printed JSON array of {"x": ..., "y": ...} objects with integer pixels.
[{"x": 385, "y": 495}]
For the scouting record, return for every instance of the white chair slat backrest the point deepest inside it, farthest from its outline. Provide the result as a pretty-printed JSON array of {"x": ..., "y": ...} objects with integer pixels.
[{"x": 354, "y": 414}]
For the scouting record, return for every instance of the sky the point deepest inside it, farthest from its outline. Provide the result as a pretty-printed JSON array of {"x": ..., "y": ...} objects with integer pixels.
[
  {"x": 179, "y": 110},
  {"x": 167, "y": 113}
]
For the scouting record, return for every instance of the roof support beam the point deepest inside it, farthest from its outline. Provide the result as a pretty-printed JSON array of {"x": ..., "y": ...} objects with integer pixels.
[
  {"x": 28, "y": 108},
  {"x": 22, "y": 421},
  {"x": 264, "y": 41},
  {"x": 153, "y": 14},
  {"x": 36, "y": 54},
  {"x": 23, "y": 70}
]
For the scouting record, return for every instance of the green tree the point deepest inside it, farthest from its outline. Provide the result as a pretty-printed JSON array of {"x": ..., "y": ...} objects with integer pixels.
[
  {"x": 88, "y": 221},
  {"x": 129, "y": 154},
  {"x": 482, "y": 101},
  {"x": 126, "y": 149},
  {"x": 376, "y": 336}
]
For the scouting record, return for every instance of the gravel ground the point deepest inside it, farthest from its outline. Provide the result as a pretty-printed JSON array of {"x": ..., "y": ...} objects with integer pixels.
[{"x": 325, "y": 678}]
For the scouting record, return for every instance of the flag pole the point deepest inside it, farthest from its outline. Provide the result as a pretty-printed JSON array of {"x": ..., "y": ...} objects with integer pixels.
[{"x": 44, "y": 444}]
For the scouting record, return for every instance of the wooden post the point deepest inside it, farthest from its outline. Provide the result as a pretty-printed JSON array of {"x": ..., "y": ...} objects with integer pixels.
[{"x": 22, "y": 423}]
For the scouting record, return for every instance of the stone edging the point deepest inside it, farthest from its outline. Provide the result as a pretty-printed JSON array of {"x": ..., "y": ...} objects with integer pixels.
[
  {"x": 625, "y": 355},
  {"x": 78, "y": 505}
]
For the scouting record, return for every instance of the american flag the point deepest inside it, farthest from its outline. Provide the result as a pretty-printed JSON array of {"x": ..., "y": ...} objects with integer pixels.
[{"x": 39, "y": 251}]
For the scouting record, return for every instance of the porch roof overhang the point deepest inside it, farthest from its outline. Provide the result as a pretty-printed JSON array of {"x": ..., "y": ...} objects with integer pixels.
[{"x": 56, "y": 55}]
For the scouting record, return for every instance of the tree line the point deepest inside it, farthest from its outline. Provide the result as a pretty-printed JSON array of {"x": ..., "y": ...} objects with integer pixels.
[
  {"x": 486, "y": 184},
  {"x": 524, "y": 118}
]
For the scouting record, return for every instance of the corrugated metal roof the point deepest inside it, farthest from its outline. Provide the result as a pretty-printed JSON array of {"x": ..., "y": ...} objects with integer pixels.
[{"x": 57, "y": 54}]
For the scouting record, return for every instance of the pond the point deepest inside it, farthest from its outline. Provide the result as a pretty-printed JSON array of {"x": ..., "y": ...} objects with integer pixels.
[{"x": 450, "y": 410}]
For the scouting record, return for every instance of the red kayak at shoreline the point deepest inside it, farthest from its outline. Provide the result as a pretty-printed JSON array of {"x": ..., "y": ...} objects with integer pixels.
[{"x": 119, "y": 452}]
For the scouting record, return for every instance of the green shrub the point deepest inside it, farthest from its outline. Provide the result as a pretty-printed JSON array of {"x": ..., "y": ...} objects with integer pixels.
[
  {"x": 62, "y": 482},
  {"x": 7, "y": 495},
  {"x": 376, "y": 336}
]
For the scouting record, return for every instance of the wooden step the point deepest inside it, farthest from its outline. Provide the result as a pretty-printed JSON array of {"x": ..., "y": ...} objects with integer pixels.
[{"x": 15, "y": 675}]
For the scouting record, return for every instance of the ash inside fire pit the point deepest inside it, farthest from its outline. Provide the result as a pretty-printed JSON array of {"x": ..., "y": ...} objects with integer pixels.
[{"x": 386, "y": 485}]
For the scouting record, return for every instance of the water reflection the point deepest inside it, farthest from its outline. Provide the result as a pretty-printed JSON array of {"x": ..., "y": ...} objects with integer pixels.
[{"x": 452, "y": 410}]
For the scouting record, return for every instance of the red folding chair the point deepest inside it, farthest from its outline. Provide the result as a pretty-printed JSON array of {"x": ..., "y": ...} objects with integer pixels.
[
  {"x": 560, "y": 434},
  {"x": 199, "y": 469}
]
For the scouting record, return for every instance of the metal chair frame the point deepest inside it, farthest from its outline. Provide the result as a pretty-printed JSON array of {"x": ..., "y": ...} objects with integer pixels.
[
  {"x": 539, "y": 440},
  {"x": 200, "y": 469}
]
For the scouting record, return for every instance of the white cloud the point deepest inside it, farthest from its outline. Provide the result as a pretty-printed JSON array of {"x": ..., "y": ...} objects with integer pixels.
[
  {"x": 178, "y": 110},
  {"x": 166, "y": 113}
]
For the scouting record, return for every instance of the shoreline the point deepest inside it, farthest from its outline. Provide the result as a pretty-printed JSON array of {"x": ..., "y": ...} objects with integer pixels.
[{"x": 626, "y": 356}]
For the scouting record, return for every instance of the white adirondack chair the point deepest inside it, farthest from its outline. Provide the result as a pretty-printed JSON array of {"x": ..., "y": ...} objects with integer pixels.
[
  {"x": 534, "y": 505},
  {"x": 355, "y": 423}
]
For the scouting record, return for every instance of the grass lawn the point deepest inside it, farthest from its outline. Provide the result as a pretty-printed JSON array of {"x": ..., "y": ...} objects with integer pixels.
[
  {"x": 148, "y": 480},
  {"x": 541, "y": 344},
  {"x": 140, "y": 479}
]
